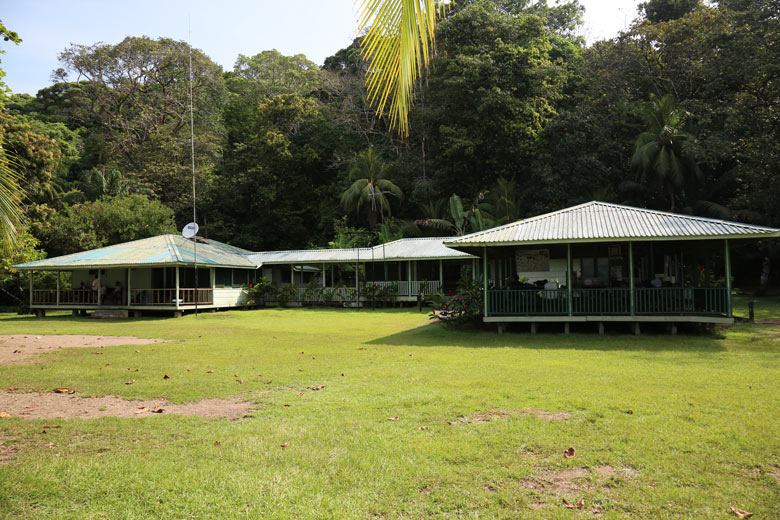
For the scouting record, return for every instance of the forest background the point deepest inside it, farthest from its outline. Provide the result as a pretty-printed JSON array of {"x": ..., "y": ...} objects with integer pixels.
[{"x": 516, "y": 116}]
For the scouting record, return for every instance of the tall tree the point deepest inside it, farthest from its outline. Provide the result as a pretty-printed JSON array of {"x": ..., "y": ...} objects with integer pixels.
[
  {"x": 371, "y": 187},
  {"x": 661, "y": 155}
]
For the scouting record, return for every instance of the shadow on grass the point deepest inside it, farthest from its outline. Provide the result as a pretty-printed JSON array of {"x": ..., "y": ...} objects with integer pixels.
[{"x": 439, "y": 335}]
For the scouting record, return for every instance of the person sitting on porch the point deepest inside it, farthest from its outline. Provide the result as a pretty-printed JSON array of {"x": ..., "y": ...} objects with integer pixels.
[
  {"x": 116, "y": 295},
  {"x": 515, "y": 284}
]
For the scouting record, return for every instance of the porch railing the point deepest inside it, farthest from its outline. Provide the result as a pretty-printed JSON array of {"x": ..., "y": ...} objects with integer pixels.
[
  {"x": 609, "y": 301},
  {"x": 427, "y": 288},
  {"x": 168, "y": 296}
]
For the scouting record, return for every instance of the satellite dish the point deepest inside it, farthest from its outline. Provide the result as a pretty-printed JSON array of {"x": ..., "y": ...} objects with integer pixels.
[{"x": 190, "y": 230}]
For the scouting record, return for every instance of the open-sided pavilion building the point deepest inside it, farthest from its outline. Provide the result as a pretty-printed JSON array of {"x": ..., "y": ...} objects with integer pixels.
[
  {"x": 603, "y": 262},
  {"x": 156, "y": 273}
]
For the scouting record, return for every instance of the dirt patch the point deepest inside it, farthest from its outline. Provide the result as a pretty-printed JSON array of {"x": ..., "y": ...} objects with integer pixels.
[
  {"x": 63, "y": 406},
  {"x": 549, "y": 416},
  {"x": 567, "y": 481},
  {"x": 768, "y": 322},
  {"x": 483, "y": 417},
  {"x": 775, "y": 474},
  {"x": 610, "y": 471},
  {"x": 18, "y": 348}
]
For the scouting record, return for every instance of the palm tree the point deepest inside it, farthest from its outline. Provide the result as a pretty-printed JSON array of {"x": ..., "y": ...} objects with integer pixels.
[
  {"x": 10, "y": 204},
  {"x": 462, "y": 220},
  {"x": 660, "y": 155},
  {"x": 370, "y": 190},
  {"x": 396, "y": 48}
]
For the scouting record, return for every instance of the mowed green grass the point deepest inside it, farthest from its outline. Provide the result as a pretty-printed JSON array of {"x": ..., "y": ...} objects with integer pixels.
[{"x": 703, "y": 435}]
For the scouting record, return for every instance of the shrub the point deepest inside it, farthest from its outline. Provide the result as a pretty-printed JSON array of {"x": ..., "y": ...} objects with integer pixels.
[{"x": 465, "y": 306}]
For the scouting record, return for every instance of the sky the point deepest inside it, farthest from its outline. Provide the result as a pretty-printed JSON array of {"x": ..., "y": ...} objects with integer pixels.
[{"x": 223, "y": 30}]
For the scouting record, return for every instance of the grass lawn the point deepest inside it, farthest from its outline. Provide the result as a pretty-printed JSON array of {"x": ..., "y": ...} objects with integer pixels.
[{"x": 703, "y": 435}]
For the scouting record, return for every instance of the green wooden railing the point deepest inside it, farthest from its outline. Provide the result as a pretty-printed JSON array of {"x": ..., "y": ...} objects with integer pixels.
[
  {"x": 527, "y": 302},
  {"x": 682, "y": 300},
  {"x": 662, "y": 301},
  {"x": 607, "y": 301}
]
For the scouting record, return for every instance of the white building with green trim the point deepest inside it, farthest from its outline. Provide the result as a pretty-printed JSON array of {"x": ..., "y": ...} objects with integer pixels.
[{"x": 594, "y": 262}]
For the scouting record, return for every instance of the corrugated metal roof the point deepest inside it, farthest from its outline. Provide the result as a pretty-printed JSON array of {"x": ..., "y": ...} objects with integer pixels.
[
  {"x": 153, "y": 251},
  {"x": 601, "y": 221},
  {"x": 310, "y": 256},
  {"x": 429, "y": 248}
]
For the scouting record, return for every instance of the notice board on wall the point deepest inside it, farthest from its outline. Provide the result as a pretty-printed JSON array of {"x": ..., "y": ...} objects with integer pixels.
[{"x": 532, "y": 260}]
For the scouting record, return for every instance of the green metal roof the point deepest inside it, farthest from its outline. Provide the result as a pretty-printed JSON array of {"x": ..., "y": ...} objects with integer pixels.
[
  {"x": 603, "y": 222},
  {"x": 155, "y": 251}
]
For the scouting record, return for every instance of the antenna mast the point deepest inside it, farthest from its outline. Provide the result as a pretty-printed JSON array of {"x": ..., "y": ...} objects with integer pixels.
[{"x": 192, "y": 154}]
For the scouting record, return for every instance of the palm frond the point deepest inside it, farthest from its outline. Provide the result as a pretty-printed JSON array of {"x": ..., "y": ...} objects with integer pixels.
[
  {"x": 10, "y": 203},
  {"x": 396, "y": 48}
]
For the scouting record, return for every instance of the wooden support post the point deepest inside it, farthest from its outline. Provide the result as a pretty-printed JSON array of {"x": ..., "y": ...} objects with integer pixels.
[
  {"x": 100, "y": 290},
  {"x": 177, "y": 292},
  {"x": 485, "y": 280},
  {"x": 32, "y": 275},
  {"x": 409, "y": 276},
  {"x": 441, "y": 273},
  {"x": 129, "y": 286},
  {"x": 58, "y": 287},
  {"x": 631, "y": 283},
  {"x": 324, "y": 274},
  {"x": 569, "y": 280},
  {"x": 292, "y": 274},
  {"x": 727, "y": 254},
  {"x": 601, "y": 328}
]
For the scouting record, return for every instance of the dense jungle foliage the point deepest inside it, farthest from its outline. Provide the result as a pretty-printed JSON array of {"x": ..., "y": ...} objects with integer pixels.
[{"x": 516, "y": 116}]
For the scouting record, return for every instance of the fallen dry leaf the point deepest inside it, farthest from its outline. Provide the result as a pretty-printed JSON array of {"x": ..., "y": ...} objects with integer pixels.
[
  {"x": 301, "y": 352},
  {"x": 140, "y": 410},
  {"x": 318, "y": 387},
  {"x": 285, "y": 444},
  {"x": 422, "y": 427},
  {"x": 13, "y": 388},
  {"x": 217, "y": 443},
  {"x": 575, "y": 505},
  {"x": 5, "y": 414},
  {"x": 342, "y": 375},
  {"x": 61, "y": 390},
  {"x": 130, "y": 382},
  {"x": 301, "y": 393},
  {"x": 97, "y": 353},
  {"x": 158, "y": 410},
  {"x": 392, "y": 418},
  {"x": 570, "y": 453},
  {"x": 740, "y": 513},
  {"x": 52, "y": 426},
  {"x": 240, "y": 381},
  {"x": 630, "y": 412},
  {"x": 17, "y": 351},
  {"x": 209, "y": 371},
  {"x": 287, "y": 405},
  {"x": 166, "y": 376}
]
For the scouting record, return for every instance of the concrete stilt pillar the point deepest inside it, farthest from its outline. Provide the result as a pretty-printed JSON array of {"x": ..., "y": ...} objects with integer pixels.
[
  {"x": 533, "y": 327},
  {"x": 601, "y": 328},
  {"x": 673, "y": 329},
  {"x": 501, "y": 328},
  {"x": 566, "y": 327},
  {"x": 636, "y": 329},
  {"x": 74, "y": 312}
]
